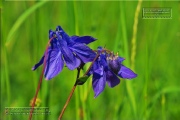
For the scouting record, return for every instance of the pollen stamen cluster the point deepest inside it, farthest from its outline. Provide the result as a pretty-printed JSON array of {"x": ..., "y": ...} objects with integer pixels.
[{"x": 112, "y": 56}]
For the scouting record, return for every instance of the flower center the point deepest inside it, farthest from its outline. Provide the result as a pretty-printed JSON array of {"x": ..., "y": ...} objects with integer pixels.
[{"x": 113, "y": 63}]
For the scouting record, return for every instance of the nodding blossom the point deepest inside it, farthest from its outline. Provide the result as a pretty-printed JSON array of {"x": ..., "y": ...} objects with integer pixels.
[
  {"x": 65, "y": 49},
  {"x": 107, "y": 69}
]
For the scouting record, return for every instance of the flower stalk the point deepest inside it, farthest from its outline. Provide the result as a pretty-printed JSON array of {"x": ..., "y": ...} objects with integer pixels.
[{"x": 40, "y": 80}]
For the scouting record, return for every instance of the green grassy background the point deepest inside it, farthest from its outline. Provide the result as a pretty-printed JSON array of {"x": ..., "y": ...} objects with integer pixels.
[{"x": 153, "y": 95}]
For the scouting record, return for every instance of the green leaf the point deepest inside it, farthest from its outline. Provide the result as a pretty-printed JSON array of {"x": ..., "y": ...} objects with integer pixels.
[{"x": 82, "y": 80}]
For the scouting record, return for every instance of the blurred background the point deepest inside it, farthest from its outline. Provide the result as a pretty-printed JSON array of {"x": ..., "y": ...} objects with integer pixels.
[{"x": 151, "y": 49}]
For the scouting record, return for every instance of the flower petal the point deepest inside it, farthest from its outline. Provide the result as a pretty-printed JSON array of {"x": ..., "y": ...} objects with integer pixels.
[
  {"x": 114, "y": 65},
  {"x": 93, "y": 68},
  {"x": 63, "y": 34},
  {"x": 99, "y": 81},
  {"x": 120, "y": 59},
  {"x": 54, "y": 63},
  {"x": 71, "y": 61},
  {"x": 74, "y": 37},
  {"x": 103, "y": 62},
  {"x": 96, "y": 65},
  {"x": 99, "y": 49},
  {"x": 83, "y": 52},
  {"x": 126, "y": 73},
  {"x": 112, "y": 79},
  {"x": 38, "y": 64},
  {"x": 83, "y": 39},
  {"x": 54, "y": 41},
  {"x": 51, "y": 34}
]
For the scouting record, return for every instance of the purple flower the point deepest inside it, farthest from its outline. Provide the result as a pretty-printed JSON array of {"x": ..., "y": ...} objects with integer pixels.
[
  {"x": 64, "y": 49},
  {"x": 107, "y": 68}
]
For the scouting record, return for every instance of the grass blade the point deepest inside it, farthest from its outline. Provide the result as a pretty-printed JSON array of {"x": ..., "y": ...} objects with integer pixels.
[{"x": 20, "y": 20}]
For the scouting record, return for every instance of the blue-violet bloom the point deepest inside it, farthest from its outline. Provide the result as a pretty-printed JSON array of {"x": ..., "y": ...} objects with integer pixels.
[
  {"x": 63, "y": 48},
  {"x": 107, "y": 68}
]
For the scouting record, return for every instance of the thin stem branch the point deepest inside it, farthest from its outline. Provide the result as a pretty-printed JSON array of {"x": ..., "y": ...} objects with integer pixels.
[
  {"x": 67, "y": 102},
  {"x": 70, "y": 95},
  {"x": 40, "y": 80},
  {"x": 91, "y": 64}
]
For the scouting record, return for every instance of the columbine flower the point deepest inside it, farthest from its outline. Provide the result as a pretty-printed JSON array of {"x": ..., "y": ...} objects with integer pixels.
[
  {"x": 107, "y": 68},
  {"x": 71, "y": 50}
]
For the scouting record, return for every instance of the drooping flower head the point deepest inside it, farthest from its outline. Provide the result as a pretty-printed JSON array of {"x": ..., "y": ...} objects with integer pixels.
[
  {"x": 65, "y": 49},
  {"x": 106, "y": 69}
]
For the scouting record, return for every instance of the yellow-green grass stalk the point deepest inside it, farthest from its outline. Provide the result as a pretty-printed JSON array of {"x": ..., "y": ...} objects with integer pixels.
[{"x": 135, "y": 27}]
